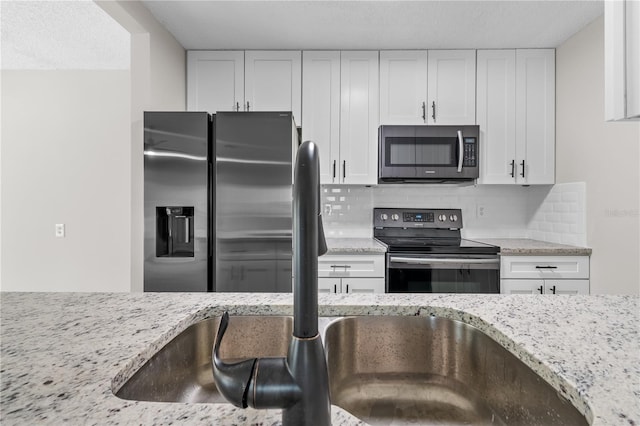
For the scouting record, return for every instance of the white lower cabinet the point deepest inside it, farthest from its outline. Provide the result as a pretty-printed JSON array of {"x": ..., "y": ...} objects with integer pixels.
[
  {"x": 351, "y": 274},
  {"x": 510, "y": 286},
  {"x": 544, "y": 275}
]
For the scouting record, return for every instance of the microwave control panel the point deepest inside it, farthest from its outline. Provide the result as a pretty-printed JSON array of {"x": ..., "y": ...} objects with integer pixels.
[{"x": 470, "y": 153}]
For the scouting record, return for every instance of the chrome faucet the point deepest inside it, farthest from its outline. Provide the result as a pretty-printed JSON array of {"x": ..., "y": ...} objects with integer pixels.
[{"x": 298, "y": 383}]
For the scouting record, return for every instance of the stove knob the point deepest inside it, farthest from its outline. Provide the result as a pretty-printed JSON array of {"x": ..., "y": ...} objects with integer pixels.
[
  {"x": 453, "y": 218},
  {"x": 395, "y": 216},
  {"x": 384, "y": 216},
  {"x": 442, "y": 217}
]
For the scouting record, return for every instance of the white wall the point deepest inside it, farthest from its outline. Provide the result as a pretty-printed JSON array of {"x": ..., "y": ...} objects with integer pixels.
[
  {"x": 606, "y": 156},
  {"x": 72, "y": 153},
  {"x": 65, "y": 159}
]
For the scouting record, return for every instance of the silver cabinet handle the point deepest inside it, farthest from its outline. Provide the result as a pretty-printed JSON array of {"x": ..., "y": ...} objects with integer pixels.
[
  {"x": 546, "y": 267},
  {"x": 248, "y": 106},
  {"x": 540, "y": 289},
  {"x": 424, "y": 112},
  {"x": 461, "y": 151},
  {"x": 433, "y": 108},
  {"x": 513, "y": 168},
  {"x": 341, "y": 266},
  {"x": 334, "y": 170},
  {"x": 522, "y": 164},
  {"x": 186, "y": 230},
  {"x": 344, "y": 169},
  {"x": 237, "y": 106}
]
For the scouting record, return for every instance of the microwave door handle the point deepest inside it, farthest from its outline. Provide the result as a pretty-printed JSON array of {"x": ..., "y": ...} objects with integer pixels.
[{"x": 460, "y": 151}]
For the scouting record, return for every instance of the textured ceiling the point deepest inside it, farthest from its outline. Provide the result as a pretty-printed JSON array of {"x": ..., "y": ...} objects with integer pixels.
[
  {"x": 61, "y": 35},
  {"x": 373, "y": 24}
]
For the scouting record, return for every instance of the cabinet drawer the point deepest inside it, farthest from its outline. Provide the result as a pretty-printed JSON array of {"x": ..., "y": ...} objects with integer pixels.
[
  {"x": 545, "y": 267},
  {"x": 351, "y": 266}
]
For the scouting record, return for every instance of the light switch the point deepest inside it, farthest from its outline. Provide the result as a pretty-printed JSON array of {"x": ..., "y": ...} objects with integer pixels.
[{"x": 59, "y": 230}]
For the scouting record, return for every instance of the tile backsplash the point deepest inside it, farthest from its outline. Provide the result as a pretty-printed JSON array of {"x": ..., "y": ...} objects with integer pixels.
[
  {"x": 561, "y": 217},
  {"x": 554, "y": 214}
]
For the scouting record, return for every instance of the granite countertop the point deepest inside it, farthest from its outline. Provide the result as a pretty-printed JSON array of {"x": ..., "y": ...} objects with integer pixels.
[
  {"x": 354, "y": 246},
  {"x": 528, "y": 247},
  {"x": 63, "y": 353}
]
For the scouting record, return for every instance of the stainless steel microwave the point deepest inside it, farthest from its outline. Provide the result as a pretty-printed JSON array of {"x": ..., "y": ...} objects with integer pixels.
[{"x": 427, "y": 154}]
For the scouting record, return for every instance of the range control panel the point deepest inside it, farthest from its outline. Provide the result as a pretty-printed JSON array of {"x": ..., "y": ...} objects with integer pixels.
[{"x": 417, "y": 218}]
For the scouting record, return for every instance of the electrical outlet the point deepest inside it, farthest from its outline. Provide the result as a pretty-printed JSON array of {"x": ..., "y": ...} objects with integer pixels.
[
  {"x": 480, "y": 210},
  {"x": 59, "y": 230}
]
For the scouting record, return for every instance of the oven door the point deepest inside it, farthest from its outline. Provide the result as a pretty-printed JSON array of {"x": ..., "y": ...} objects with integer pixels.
[{"x": 422, "y": 273}]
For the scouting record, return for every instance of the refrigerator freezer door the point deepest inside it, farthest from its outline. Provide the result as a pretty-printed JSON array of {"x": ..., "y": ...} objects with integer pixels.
[{"x": 176, "y": 200}]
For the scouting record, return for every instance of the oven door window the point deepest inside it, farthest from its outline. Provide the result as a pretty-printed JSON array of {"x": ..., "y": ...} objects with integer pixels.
[
  {"x": 444, "y": 275},
  {"x": 421, "y": 151}
]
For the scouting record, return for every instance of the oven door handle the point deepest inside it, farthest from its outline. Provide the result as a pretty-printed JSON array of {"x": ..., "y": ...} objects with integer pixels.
[{"x": 443, "y": 261}]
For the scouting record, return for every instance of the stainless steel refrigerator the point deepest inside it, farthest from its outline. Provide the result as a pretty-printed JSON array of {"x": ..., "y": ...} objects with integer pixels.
[
  {"x": 218, "y": 201},
  {"x": 253, "y": 200},
  {"x": 177, "y": 201}
]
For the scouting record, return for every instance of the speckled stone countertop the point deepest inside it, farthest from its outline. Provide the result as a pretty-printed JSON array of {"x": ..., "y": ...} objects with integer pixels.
[
  {"x": 527, "y": 247},
  {"x": 354, "y": 246},
  {"x": 63, "y": 353}
]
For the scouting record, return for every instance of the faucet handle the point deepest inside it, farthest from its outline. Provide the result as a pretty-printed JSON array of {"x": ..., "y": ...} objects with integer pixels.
[
  {"x": 232, "y": 380},
  {"x": 322, "y": 242}
]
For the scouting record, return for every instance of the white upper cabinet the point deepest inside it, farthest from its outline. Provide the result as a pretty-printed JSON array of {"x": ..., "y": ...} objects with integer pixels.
[
  {"x": 451, "y": 87},
  {"x": 215, "y": 80},
  {"x": 432, "y": 87},
  {"x": 244, "y": 81},
  {"x": 273, "y": 82},
  {"x": 516, "y": 115},
  {"x": 622, "y": 60},
  {"x": 496, "y": 111},
  {"x": 535, "y": 116},
  {"x": 359, "y": 105},
  {"x": 321, "y": 108},
  {"x": 403, "y": 86}
]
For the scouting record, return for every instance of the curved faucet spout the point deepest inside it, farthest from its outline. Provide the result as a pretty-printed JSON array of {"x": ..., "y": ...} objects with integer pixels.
[{"x": 298, "y": 384}]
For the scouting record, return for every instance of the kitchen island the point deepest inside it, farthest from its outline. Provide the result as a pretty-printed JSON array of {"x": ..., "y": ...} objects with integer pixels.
[{"x": 63, "y": 354}]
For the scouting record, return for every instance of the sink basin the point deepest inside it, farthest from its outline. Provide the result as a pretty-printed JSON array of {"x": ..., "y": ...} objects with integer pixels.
[
  {"x": 382, "y": 369},
  {"x": 431, "y": 370},
  {"x": 181, "y": 370}
]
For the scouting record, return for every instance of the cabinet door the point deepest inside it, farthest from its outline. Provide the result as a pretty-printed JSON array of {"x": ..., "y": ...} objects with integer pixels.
[
  {"x": 496, "y": 109},
  {"x": 363, "y": 285},
  {"x": 510, "y": 286},
  {"x": 452, "y": 87},
  {"x": 215, "y": 80},
  {"x": 321, "y": 108},
  {"x": 535, "y": 116},
  {"x": 329, "y": 285},
  {"x": 403, "y": 86},
  {"x": 566, "y": 286},
  {"x": 273, "y": 82},
  {"x": 359, "y": 117}
]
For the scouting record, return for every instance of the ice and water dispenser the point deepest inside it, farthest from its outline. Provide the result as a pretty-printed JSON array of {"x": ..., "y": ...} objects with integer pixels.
[{"x": 174, "y": 231}]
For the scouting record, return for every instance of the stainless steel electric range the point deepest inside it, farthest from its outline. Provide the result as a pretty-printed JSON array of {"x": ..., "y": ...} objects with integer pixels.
[{"x": 426, "y": 254}]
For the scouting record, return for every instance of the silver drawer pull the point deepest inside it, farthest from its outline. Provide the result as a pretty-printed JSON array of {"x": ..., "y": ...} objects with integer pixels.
[
  {"x": 341, "y": 266},
  {"x": 546, "y": 267}
]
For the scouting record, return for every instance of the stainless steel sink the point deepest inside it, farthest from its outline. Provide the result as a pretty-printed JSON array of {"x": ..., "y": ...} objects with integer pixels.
[
  {"x": 181, "y": 371},
  {"x": 382, "y": 369},
  {"x": 436, "y": 371}
]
